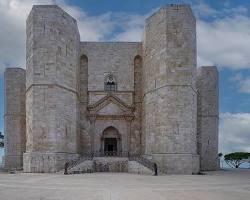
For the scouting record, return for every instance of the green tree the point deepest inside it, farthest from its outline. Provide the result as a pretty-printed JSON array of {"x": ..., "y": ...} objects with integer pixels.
[{"x": 235, "y": 159}]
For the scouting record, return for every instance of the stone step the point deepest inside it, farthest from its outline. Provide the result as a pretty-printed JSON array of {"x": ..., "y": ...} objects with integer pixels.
[{"x": 110, "y": 164}]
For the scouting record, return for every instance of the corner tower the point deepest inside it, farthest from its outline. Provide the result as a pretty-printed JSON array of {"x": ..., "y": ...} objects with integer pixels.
[
  {"x": 208, "y": 117},
  {"x": 52, "y": 59},
  {"x": 14, "y": 117},
  {"x": 169, "y": 102}
]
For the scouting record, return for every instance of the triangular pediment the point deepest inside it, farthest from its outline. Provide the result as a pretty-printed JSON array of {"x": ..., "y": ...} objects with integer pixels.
[
  {"x": 110, "y": 109},
  {"x": 110, "y": 105}
]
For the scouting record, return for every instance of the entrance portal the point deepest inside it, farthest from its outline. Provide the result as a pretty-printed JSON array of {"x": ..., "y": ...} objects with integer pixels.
[
  {"x": 111, "y": 142},
  {"x": 110, "y": 145}
]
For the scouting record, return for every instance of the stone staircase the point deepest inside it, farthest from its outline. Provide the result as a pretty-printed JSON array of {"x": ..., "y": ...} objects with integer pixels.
[{"x": 111, "y": 163}]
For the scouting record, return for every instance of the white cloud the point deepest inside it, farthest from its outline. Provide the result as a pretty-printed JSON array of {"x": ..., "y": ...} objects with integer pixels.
[
  {"x": 243, "y": 82},
  {"x": 12, "y": 31},
  {"x": 234, "y": 132},
  {"x": 202, "y": 9},
  {"x": 91, "y": 28},
  {"x": 224, "y": 42},
  {"x": 132, "y": 27}
]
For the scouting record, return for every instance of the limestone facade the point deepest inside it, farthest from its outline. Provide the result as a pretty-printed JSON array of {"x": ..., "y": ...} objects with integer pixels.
[
  {"x": 208, "y": 117},
  {"x": 122, "y": 98},
  {"x": 14, "y": 117}
]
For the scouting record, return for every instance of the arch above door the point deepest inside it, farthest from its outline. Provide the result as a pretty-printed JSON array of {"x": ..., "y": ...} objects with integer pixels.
[{"x": 111, "y": 141}]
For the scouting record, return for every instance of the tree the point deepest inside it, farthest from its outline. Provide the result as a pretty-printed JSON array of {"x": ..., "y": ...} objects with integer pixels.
[
  {"x": 235, "y": 159},
  {"x": 1, "y": 140}
]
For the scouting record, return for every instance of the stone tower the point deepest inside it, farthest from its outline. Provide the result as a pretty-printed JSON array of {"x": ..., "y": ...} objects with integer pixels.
[
  {"x": 14, "y": 117},
  {"x": 208, "y": 117},
  {"x": 169, "y": 104},
  {"x": 52, "y": 89}
]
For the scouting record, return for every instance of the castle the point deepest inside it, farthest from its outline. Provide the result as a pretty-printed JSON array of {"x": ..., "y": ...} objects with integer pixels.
[{"x": 111, "y": 99}]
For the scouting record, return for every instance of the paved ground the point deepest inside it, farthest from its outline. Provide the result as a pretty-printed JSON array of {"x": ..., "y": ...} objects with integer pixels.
[{"x": 228, "y": 185}]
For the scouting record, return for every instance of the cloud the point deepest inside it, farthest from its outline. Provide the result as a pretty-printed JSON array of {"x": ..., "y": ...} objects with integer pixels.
[
  {"x": 223, "y": 36},
  {"x": 91, "y": 28},
  {"x": 234, "y": 132},
  {"x": 202, "y": 9},
  {"x": 12, "y": 32},
  {"x": 132, "y": 27},
  {"x": 224, "y": 42},
  {"x": 243, "y": 82}
]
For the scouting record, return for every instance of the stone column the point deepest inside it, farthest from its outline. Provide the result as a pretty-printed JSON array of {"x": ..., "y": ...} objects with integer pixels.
[
  {"x": 14, "y": 117},
  {"x": 169, "y": 91},
  {"x": 208, "y": 117},
  {"x": 52, "y": 61}
]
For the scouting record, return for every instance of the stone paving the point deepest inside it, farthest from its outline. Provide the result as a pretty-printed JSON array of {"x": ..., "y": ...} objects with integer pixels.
[{"x": 228, "y": 185}]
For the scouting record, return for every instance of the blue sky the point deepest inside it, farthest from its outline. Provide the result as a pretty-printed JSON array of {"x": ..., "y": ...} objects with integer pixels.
[{"x": 223, "y": 38}]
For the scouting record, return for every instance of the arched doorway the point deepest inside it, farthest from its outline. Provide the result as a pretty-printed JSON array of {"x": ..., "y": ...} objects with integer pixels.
[{"x": 111, "y": 141}]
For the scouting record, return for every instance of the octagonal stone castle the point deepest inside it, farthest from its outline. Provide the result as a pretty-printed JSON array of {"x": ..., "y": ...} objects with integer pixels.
[{"x": 111, "y": 103}]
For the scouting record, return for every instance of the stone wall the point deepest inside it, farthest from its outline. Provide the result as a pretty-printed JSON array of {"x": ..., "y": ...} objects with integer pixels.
[
  {"x": 117, "y": 58},
  {"x": 114, "y": 57},
  {"x": 208, "y": 116},
  {"x": 14, "y": 117},
  {"x": 84, "y": 125},
  {"x": 120, "y": 125},
  {"x": 52, "y": 46},
  {"x": 136, "y": 131},
  {"x": 169, "y": 104}
]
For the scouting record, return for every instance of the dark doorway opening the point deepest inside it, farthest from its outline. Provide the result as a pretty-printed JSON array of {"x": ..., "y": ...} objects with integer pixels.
[{"x": 110, "y": 145}]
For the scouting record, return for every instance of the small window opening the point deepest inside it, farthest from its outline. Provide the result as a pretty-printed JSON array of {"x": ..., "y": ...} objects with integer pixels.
[{"x": 110, "y": 84}]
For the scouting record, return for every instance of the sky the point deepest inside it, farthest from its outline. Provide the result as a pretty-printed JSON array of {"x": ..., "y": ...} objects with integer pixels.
[{"x": 223, "y": 40}]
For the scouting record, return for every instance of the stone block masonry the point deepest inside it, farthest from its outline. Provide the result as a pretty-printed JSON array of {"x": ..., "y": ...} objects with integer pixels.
[
  {"x": 111, "y": 98},
  {"x": 208, "y": 117},
  {"x": 14, "y": 117},
  {"x": 169, "y": 103},
  {"x": 53, "y": 44}
]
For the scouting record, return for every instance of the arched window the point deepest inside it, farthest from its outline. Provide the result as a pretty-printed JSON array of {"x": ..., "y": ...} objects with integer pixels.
[{"x": 110, "y": 83}]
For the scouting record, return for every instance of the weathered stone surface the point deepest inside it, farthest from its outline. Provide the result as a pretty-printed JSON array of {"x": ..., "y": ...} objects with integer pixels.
[
  {"x": 110, "y": 164},
  {"x": 84, "y": 167},
  {"x": 40, "y": 162},
  {"x": 52, "y": 87},
  {"x": 136, "y": 168},
  {"x": 169, "y": 104},
  {"x": 14, "y": 117},
  {"x": 208, "y": 117},
  {"x": 130, "y": 97}
]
